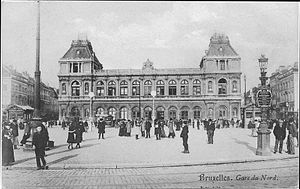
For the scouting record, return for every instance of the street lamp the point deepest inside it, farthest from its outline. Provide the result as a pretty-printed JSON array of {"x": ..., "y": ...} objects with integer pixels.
[
  {"x": 91, "y": 95},
  {"x": 153, "y": 94},
  {"x": 263, "y": 138}
]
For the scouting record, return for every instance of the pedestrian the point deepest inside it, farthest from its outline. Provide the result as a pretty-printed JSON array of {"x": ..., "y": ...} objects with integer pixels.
[
  {"x": 86, "y": 126},
  {"x": 15, "y": 133},
  {"x": 162, "y": 128},
  {"x": 71, "y": 135},
  {"x": 39, "y": 140},
  {"x": 171, "y": 129},
  {"x": 232, "y": 122},
  {"x": 292, "y": 133},
  {"x": 280, "y": 133},
  {"x": 122, "y": 128},
  {"x": 101, "y": 128},
  {"x": 8, "y": 156},
  {"x": 78, "y": 133},
  {"x": 210, "y": 131},
  {"x": 63, "y": 124},
  {"x": 184, "y": 136},
  {"x": 148, "y": 127},
  {"x": 128, "y": 128},
  {"x": 27, "y": 133},
  {"x": 143, "y": 123},
  {"x": 198, "y": 123},
  {"x": 157, "y": 130}
]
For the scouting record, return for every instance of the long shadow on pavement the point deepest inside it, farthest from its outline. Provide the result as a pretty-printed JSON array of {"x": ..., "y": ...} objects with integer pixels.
[
  {"x": 62, "y": 159},
  {"x": 245, "y": 144},
  {"x": 54, "y": 153}
]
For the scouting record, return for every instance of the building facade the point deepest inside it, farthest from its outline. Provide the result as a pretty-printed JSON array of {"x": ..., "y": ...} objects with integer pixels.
[
  {"x": 18, "y": 89},
  {"x": 284, "y": 85},
  {"x": 211, "y": 90}
]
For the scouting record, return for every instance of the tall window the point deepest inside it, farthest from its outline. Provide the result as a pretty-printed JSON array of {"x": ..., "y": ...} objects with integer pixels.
[
  {"x": 75, "y": 88},
  {"x": 87, "y": 112},
  {"x": 184, "y": 88},
  {"x": 222, "y": 113},
  {"x": 222, "y": 64},
  {"x": 147, "y": 88},
  {"x": 112, "y": 112},
  {"x": 123, "y": 113},
  {"x": 111, "y": 88},
  {"x": 63, "y": 89},
  {"x": 86, "y": 88},
  {"x": 75, "y": 67},
  {"x": 222, "y": 86},
  {"x": 234, "y": 86},
  {"x": 160, "y": 88},
  {"x": 135, "y": 113},
  {"x": 210, "y": 87},
  {"x": 196, "y": 87},
  {"x": 172, "y": 88},
  {"x": 135, "y": 88},
  {"x": 234, "y": 112},
  {"x": 148, "y": 112},
  {"x": 197, "y": 111},
  {"x": 210, "y": 113},
  {"x": 100, "y": 88},
  {"x": 123, "y": 88}
]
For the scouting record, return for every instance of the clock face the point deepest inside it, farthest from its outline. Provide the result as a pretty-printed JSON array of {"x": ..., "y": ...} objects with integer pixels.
[
  {"x": 221, "y": 49},
  {"x": 78, "y": 51}
]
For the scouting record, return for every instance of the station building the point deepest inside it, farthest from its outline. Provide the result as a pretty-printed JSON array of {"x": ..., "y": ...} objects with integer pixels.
[{"x": 212, "y": 89}]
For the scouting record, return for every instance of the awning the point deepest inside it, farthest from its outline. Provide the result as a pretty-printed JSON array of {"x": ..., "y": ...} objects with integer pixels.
[{"x": 15, "y": 106}]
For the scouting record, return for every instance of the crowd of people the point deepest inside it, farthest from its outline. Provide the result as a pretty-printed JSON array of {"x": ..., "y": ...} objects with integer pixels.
[{"x": 282, "y": 129}]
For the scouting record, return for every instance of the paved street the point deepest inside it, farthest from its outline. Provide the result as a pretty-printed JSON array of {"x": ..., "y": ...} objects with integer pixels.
[
  {"x": 284, "y": 173},
  {"x": 229, "y": 145},
  {"x": 123, "y": 162}
]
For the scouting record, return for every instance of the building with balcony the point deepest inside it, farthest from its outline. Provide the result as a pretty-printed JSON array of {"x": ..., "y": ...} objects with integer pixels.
[
  {"x": 209, "y": 90},
  {"x": 284, "y": 85}
]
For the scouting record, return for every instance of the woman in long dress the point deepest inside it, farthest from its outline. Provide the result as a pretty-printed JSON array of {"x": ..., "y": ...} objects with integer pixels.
[
  {"x": 71, "y": 135},
  {"x": 7, "y": 146}
]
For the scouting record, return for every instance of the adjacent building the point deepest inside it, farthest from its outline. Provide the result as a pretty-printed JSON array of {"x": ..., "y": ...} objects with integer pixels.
[
  {"x": 209, "y": 90},
  {"x": 284, "y": 85},
  {"x": 18, "y": 96}
]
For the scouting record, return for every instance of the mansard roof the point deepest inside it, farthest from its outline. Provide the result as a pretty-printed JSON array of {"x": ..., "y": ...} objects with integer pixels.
[
  {"x": 80, "y": 49},
  {"x": 219, "y": 46}
]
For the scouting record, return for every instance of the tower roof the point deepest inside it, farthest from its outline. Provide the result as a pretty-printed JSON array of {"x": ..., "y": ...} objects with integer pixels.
[
  {"x": 81, "y": 49},
  {"x": 220, "y": 46}
]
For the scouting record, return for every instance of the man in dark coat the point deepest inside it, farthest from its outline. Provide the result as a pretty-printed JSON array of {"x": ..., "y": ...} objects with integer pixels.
[
  {"x": 148, "y": 127},
  {"x": 210, "y": 131},
  {"x": 280, "y": 133},
  {"x": 8, "y": 156},
  {"x": 39, "y": 140},
  {"x": 78, "y": 132},
  {"x": 291, "y": 127},
  {"x": 101, "y": 128},
  {"x": 184, "y": 136}
]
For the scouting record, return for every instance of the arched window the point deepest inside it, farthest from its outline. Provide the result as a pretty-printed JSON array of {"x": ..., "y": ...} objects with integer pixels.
[
  {"x": 75, "y": 88},
  {"x": 197, "y": 112},
  {"x": 148, "y": 112},
  {"x": 234, "y": 86},
  {"x": 172, "y": 88},
  {"x": 100, "y": 111},
  {"x": 75, "y": 112},
  {"x": 160, "y": 88},
  {"x": 222, "y": 86},
  {"x": 196, "y": 87},
  {"x": 210, "y": 86},
  {"x": 63, "y": 112},
  {"x": 210, "y": 113},
  {"x": 222, "y": 112},
  {"x": 100, "y": 88},
  {"x": 135, "y": 88},
  {"x": 111, "y": 88},
  {"x": 147, "y": 88},
  {"x": 184, "y": 88},
  {"x": 123, "y": 88},
  {"x": 135, "y": 113},
  {"x": 123, "y": 113},
  {"x": 63, "y": 89},
  {"x": 86, "y": 88},
  {"x": 112, "y": 111}
]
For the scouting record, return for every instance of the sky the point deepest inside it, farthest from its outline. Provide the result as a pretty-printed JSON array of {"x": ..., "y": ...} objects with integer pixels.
[{"x": 170, "y": 34}]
